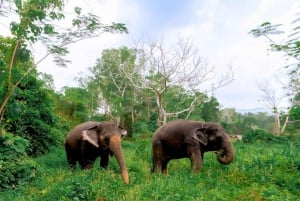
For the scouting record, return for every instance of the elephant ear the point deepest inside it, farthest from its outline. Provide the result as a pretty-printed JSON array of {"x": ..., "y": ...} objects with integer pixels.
[
  {"x": 200, "y": 135},
  {"x": 90, "y": 135}
]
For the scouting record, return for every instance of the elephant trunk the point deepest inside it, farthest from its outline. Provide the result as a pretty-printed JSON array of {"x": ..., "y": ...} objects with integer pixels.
[
  {"x": 115, "y": 147},
  {"x": 226, "y": 154}
]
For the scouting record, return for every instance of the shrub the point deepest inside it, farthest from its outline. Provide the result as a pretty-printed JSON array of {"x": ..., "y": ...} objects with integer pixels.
[
  {"x": 15, "y": 167},
  {"x": 141, "y": 129},
  {"x": 258, "y": 135},
  {"x": 30, "y": 115}
]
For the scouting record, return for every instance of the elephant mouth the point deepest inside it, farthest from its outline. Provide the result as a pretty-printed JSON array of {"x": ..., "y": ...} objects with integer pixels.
[
  {"x": 220, "y": 153},
  {"x": 225, "y": 155}
]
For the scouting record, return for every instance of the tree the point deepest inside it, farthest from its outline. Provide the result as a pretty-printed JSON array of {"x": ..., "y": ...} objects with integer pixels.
[
  {"x": 30, "y": 114},
  {"x": 291, "y": 47},
  {"x": 271, "y": 101},
  {"x": 36, "y": 22},
  {"x": 114, "y": 91},
  {"x": 210, "y": 110},
  {"x": 73, "y": 105},
  {"x": 161, "y": 68}
]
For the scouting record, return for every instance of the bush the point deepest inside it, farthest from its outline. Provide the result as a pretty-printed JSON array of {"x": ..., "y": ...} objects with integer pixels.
[
  {"x": 30, "y": 115},
  {"x": 141, "y": 129},
  {"x": 16, "y": 168},
  {"x": 258, "y": 135}
]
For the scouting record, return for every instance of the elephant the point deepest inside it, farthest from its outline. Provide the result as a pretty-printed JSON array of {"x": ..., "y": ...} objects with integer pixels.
[
  {"x": 91, "y": 139},
  {"x": 189, "y": 139}
]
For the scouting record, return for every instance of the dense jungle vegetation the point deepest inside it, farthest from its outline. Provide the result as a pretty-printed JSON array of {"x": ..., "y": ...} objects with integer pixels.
[{"x": 34, "y": 118}]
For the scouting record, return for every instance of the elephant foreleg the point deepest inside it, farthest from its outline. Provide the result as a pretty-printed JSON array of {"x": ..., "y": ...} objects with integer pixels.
[
  {"x": 88, "y": 156},
  {"x": 104, "y": 160},
  {"x": 71, "y": 157},
  {"x": 196, "y": 160},
  {"x": 87, "y": 163}
]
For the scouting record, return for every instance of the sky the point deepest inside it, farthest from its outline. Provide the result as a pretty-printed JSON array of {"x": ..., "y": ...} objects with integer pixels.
[{"x": 219, "y": 29}]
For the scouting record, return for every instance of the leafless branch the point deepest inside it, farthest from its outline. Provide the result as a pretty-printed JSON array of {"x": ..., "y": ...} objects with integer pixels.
[
  {"x": 161, "y": 67},
  {"x": 268, "y": 96}
]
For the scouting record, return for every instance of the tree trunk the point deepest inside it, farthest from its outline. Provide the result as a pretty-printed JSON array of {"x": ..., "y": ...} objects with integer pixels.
[
  {"x": 284, "y": 125},
  {"x": 276, "y": 124}
]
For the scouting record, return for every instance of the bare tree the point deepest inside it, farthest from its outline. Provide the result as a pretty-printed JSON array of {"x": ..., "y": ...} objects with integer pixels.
[
  {"x": 161, "y": 67},
  {"x": 271, "y": 101}
]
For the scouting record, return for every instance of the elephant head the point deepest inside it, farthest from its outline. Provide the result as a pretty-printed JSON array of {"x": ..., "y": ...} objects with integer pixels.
[
  {"x": 108, "y": 135},
  {"x": 214, "y": 138}
]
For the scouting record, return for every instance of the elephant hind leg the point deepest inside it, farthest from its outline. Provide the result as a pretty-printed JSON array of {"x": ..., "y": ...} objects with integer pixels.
[
  {"x": 164, "y": 169},
  {"x": 156, "y": 165}
]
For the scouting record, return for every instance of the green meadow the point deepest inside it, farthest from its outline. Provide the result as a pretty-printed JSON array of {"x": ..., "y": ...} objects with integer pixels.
[{"x": 263, "y": 169}]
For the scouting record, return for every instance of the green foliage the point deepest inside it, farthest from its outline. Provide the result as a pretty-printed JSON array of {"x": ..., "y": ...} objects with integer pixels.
[
  {"x": 261, "y": 136},
  {"x": 75, "y": 105},
  {"x": 22, "y": 62},
  {"x": 74, "y": 190},
  {"x": 141, "y": 129},
  {"x": 34, "y": 21},
  {"x": 260, "y": 171},
  {"x": 118, "y": 97},
  {"x": 30, "y": 13},
  {"x": 78, "y": 192},
  {"x": 290, "y": 46},
  {"x": 29, "y": 110},
  {"x": 236, "y": 123},
  {"x": 211, "y": 110},
  {"x": 30, "y": 114},
  {"x": 16, "y": 169},
  {"x": 12, "y": 146},
  {"x": 114, "y": 86},
  {"x": 294, "y": 115}
]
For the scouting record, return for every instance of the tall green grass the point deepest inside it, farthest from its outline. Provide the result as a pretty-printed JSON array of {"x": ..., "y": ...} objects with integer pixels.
[{"x": 260, "y": 171}]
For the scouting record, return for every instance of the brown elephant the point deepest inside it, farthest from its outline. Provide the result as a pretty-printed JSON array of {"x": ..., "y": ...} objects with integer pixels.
[
  {"x": 189, "y": 139},
  {"x": 89, "y": 140}
]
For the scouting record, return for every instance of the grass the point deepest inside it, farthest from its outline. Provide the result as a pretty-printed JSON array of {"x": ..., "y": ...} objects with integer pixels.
[{"x": 260, "y": 171}]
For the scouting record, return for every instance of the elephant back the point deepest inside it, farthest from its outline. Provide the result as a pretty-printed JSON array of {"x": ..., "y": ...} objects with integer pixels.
[{"x": 75, "y": 134}]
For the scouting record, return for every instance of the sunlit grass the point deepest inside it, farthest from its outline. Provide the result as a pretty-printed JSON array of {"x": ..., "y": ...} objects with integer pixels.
[{"x": 259, "y": 172}]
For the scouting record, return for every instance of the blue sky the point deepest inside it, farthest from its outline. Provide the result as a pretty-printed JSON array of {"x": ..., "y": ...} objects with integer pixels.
[{"x": 219, "y": 29}]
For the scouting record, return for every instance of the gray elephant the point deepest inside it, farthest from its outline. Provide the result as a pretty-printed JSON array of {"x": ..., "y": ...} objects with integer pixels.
[
  {"x": 89, "y": 140},
  {"x": 189, "y": 139}
]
